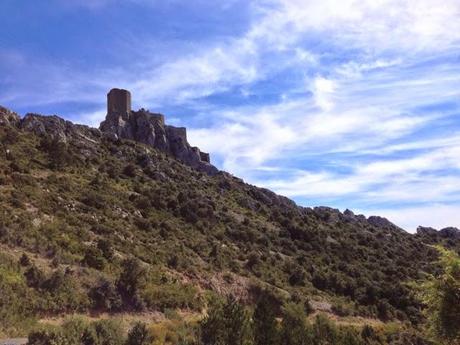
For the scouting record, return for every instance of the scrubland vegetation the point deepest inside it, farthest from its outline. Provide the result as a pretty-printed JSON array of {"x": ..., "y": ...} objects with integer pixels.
[{"x": 122, "y": 228}]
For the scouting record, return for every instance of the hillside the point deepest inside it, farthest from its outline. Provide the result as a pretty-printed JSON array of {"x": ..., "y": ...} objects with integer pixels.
[{"x": 78, "y": 206}]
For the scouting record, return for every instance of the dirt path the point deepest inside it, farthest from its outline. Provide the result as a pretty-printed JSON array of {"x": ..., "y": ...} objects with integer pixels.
[
  {"x": 355, "y": 321},
  {"x": 13, "y": 341},
  {"x": 124, "y": 318}
]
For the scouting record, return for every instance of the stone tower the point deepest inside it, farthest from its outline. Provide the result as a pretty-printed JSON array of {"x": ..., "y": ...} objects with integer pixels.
[{"x": 119, "y": 102}]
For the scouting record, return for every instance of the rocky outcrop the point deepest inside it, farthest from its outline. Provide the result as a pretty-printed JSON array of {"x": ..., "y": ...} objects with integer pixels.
[
  {"x": 121, "y": 123},
  {"x": 58, "y": 128},
  {"x": 427, "y": 231},
  {"x": 450, "y": 232},
  {"x": 447, "y": 233},
  {"x": 150, "y": 129},
  {"x": 7, "y": 117},
  {"x": 84, "y": 138},
  {"x": 382, "y": 222}
]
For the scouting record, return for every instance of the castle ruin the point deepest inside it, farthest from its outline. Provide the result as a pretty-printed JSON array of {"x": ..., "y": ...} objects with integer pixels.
[{"x": 150, "y": 129}]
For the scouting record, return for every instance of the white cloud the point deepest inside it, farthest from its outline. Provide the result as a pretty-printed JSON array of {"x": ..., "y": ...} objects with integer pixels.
[
  {"x": 449, "y": 141},
  {"x": 433, "y": 215},
  {"x": 323, "y": 90},
  {"x": 397, "y": 180},
  {"x": 199, "y": 75},
  {"x": 369, "y": 24}
]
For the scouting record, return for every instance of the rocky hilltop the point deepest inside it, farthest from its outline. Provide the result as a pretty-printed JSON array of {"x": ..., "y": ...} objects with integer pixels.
[{"x": 141, "y": 126}]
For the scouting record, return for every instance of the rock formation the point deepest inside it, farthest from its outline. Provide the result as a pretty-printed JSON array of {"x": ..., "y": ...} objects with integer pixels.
[
  {"x": 120, "y": 123},
  {"x": 446, "y": 233},
  {"x": 150, "y": 129},
  {"x": 7, "y": 117}
]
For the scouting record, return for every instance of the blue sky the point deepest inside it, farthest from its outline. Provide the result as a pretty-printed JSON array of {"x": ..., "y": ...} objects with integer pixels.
[{"x": 346, "y": 103}]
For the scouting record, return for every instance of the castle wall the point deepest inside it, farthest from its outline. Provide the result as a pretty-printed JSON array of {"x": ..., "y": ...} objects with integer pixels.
[
  {"x": 177, "y": 133},
  {"x": 159, "y": 117},
  {"x": 204, "y": 156}
]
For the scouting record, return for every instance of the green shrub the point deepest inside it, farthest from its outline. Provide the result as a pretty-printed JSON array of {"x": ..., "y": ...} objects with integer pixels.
[
  {"x": 139, "y": 335},
  {"x": 58, "y": 152},
  {"x": 94, "y": 258},
  {"x": 172, "y": 296},
  {"x": 293, "y": 326},
  {"x": 225, "y": 324},
  {"x": 441, "y": 295},
  {"x": 104, "y": 332},
  {"x": 105, "y": 296},
  {"x": 48, "y": 338},
  {"x": 132, "y": 280}
]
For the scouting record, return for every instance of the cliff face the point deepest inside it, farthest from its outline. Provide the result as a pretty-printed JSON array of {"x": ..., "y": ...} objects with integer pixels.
[{"x": 150, "y": 129}]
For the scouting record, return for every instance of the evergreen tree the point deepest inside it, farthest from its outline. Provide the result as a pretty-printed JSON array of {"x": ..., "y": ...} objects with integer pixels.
[
  {"x": 236, "y": 323},
  {"x": 139, "y": 335},
  {"x": 131, "y": 281},
  {"x": 441, "y": 295},
  {"x": 226, "y": 324},
  {"x": 324, "y": 331},
  {"x": 265, "y": 325},
  {"x": 212, "y": 326},
  {"x": 293, "y": 326}
]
